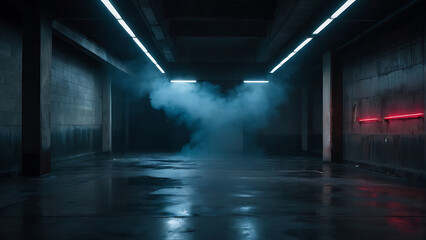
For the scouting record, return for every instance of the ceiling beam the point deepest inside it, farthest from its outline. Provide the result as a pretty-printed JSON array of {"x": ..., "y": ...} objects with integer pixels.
[
  {"x": 89, "y": 47},
  {"x": 218, "y": 71},
  {"x": 218, "y": 29},
  {"x": 225, "y": 9}
]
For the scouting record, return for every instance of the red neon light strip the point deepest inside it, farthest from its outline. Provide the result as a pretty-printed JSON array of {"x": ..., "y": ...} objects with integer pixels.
[
  {"x": 369, "y": 120},
  {"x": 405, "y": 116}
]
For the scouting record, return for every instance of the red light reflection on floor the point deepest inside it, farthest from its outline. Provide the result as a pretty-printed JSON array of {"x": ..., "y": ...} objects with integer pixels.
[{"x": 403, "y": 217}]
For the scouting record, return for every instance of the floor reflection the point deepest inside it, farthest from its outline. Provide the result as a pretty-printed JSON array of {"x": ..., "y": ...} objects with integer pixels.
[
  {"x": 160, "y": 197},
  {"x": 177, "y": 229},
  {"x": 247, "y": 228}
]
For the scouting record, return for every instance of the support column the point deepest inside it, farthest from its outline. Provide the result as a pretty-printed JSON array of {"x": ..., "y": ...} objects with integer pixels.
[
  {"x": 332, "y": 109},
  {"x": 304, "y": 120},
  {"x": 424, "y": 87},
  {"x": 106, "y": 116},
  {"x": 126, "y": 121},
  {"x": 36, "y": 74}
]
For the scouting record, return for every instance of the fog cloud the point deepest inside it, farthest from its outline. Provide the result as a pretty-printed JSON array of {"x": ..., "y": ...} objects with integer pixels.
[{"x": 216, "y": 120}]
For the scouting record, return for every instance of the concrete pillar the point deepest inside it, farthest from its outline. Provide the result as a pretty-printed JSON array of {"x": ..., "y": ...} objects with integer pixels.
[
  {"x": 106, "y": 116},
  {"x": 36, "y": 74},
  {"x": 424, "y": 87},
  {"x": 304, "y": 118},
  {"x": 332, "y": 109},
  {"x": 126, "y": 121}
]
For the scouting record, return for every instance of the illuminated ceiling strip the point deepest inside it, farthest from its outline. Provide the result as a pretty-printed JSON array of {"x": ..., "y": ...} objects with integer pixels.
[
  {"x": 342, "y": 9},
  {"x": 405, "y": 116},
  {"x": 304, "y": 43},
  {"x": 159, "y": 68},
  {"x": 126, "y": 27},
  {"x": 336, "y": 14},
  {"x": 111, "y": 9},
  {"x": 117, "y": 16},
  {"x": 368, "y": 120},
  {"x": 251, "y": 81},
  {"x": 183, "y": 81},
  {"x": 140, "y": 45},
  {"x": 151, "y": 58},
  {"x": 324, "y": 25}
]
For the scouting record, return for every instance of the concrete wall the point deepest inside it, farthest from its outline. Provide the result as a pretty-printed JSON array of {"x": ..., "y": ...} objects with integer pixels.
[
  {"x": 10, "y": 98},
  {"x": 76, "y": 102},
  {"x": 384, "y": 75},
  {"x": 315, "y": 111}
]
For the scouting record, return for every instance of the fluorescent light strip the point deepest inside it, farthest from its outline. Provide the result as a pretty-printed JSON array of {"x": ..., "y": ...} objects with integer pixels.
[
  {"x": 405, "y": 116},
  {"x": 324, "y": 25},
  {"x": 283, "y": 61},
  {"x": 111, "y": 9},
  {"x": 159, "y": 68},
  {"x": 140, "y": 45},
  {"x": 151, "y": 58},
  {"x": 336, "y": 14},
  {"x": 251, "y": 81},
  {"x": 368, "y": 120},
  {"x": 342, "y": 9},
  {"x": 117, "y": 16},
  {"x": 302, "y": 45},
  {"x": 124, "y": 25},
  {"x": 183, "y": 81}
]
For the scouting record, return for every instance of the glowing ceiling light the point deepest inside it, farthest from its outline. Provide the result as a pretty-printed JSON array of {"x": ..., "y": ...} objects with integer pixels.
[
  {"x": 324, "y": 25},
  {"x": 140, "y": 45},
  {"x": 339, "y": 11},
  {"x": 117, "y": 16},
  {"x": 159, "y": 68},
  {"x": 111, "y": 9},
  {"x": 342, "y": 8},
  {"x": 302, "y": 45},
  {"x": 183, "y": 81},
  {"x": 255, "y": 81},
  {"x": 283, "y": 61},
  {"x": 151, "y": 58},
  {"x": 128, "y": 30}
]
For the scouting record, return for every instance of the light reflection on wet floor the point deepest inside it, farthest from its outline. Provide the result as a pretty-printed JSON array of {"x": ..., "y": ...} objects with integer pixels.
[{"x": 161, "y": 196}]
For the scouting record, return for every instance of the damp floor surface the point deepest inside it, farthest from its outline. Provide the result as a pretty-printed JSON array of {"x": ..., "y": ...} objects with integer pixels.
[{"x": 163, "y": 196}]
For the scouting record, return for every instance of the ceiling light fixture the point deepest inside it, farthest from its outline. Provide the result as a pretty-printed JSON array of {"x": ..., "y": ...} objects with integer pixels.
[
  {"x": 304, "y": 43},
  {"x": 117, "y": 16},
  {"x": 140, "y": 45},
  {"x": 255, "y": 81},
  {"x": 183, "y": 81},
  {"x": 322, "y": 26},
  {"x": 336, "y": 14},
  {"x": 126, "y": 27},
  {"x": 342, "y": 9}
]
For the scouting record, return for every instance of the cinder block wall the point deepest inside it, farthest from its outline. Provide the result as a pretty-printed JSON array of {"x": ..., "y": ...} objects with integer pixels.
[
  {"x": 384, "y": 76},
  {"x": 76, "y": 102},
  {"x": 10, "y": 98}
]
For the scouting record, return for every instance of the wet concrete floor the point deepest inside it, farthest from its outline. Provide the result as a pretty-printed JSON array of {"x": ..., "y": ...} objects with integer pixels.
[{"x": 160, "y": 196}]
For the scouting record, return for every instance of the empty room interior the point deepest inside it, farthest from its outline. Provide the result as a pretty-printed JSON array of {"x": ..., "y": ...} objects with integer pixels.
[{"x": 212, "y": 119}]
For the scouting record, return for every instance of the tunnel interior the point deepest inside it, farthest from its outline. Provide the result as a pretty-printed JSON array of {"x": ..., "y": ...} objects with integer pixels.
[{"x": 213, "y": 119}]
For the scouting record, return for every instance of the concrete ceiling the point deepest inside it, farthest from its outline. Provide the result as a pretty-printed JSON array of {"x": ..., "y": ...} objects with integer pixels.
[{"x": 217, "y": 39}]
